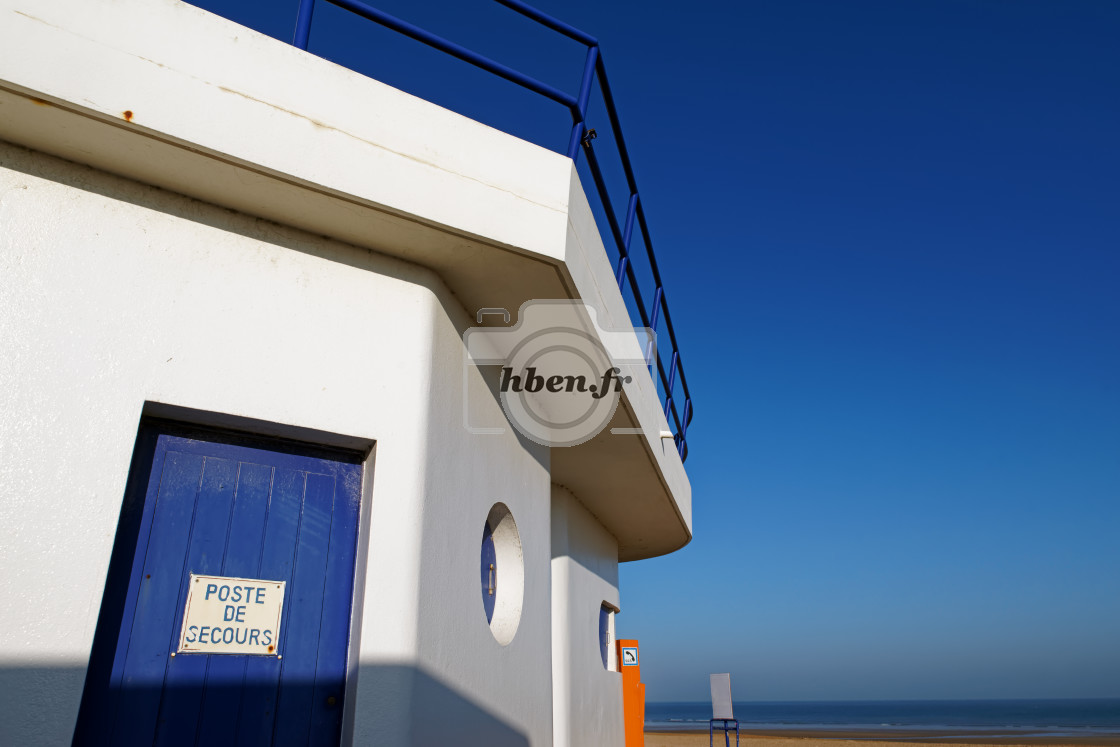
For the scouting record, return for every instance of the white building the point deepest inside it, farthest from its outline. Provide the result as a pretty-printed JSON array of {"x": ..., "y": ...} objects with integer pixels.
[{"x": 241, "y": 276}]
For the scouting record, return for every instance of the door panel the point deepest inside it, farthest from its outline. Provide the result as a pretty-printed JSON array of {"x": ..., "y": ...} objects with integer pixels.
[{"x": 229, "y": 506}]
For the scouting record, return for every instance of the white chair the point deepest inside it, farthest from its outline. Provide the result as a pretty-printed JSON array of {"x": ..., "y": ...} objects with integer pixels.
[{"x": 722, "y": 710}]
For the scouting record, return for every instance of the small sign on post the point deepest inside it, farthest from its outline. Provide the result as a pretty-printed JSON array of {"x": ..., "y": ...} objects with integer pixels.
[
  {"x": 232, "y": 616},
  {"x": 633, "y": 693}
]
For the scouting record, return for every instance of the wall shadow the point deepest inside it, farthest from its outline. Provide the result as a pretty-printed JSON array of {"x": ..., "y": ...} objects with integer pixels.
[
  {"x": 398, "y": 705},
  {"x": 437, "y": 714}
]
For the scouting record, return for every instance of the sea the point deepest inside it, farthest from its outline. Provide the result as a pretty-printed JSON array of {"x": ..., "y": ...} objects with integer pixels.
[{"x": 1034, "y": 719}]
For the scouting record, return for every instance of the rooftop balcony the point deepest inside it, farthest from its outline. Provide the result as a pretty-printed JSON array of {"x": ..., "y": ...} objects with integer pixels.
[
  {"x": 172, "y": 96},
  {"x": 647, "y": 303}
]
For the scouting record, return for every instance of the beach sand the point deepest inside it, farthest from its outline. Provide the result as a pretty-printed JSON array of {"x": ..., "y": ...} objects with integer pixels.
[{"x": 853, "y": 739}]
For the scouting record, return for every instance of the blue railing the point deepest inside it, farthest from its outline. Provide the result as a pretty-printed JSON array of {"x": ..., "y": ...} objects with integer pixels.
[{"x": 581, "y": 138}]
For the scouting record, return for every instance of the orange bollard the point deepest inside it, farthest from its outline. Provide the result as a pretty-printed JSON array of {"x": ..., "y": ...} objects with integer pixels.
[{"x": 633, "y": 693}]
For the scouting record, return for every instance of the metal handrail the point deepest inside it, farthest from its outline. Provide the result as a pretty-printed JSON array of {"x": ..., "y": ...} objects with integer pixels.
[{"x": 581, "y": 137}]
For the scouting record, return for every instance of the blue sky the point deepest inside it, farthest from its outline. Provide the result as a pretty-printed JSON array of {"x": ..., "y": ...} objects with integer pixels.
[{"x": 890, "y": 233}]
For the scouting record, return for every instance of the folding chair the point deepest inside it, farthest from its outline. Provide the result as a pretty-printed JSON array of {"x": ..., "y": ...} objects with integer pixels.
[{"x": 721, "y": 710}]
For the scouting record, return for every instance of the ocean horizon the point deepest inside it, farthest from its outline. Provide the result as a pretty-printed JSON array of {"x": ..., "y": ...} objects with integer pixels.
[{"x": 1092, "y": 717}]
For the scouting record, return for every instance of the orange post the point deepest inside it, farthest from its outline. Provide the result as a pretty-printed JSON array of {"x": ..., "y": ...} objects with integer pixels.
[{"x": 633, "y": 693}]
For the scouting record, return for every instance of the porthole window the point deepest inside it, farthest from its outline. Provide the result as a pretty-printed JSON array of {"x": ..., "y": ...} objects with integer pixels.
[
  {"x": 489, "y": 572},
  {"x": 502, "y": 572},
  {"x": 606, "y": 637},
  {"x": 604, "y": 630}
]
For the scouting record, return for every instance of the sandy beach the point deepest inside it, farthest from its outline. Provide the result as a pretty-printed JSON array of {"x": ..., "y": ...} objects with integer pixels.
[{"x": 855, "y": 739}]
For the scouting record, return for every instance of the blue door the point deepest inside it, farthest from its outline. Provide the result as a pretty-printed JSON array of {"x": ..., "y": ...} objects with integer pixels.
[{"x": 201, "y": 502}]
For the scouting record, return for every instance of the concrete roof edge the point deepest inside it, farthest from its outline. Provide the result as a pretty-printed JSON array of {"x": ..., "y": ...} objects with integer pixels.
[{"x": 120, "y": 85}]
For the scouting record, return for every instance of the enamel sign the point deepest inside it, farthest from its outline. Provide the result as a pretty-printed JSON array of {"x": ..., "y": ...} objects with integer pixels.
[
  {"x": 629, "y": 656},
  {"x": 232, "y": 616}
]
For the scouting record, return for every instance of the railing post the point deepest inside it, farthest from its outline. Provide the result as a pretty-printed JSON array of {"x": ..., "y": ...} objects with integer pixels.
[
  {"x": 579, "y": 114},
  {"x": 628, "y": 227},
  {"x": 687, "y": 416},
  {"x": 653, "y": 326},
  {"x": 673, "y": 372},
  {"x": 577, "y": 137},
  {"x": 655, "y": 313},
  {"x": 588, "y": 77},
  {"x": 627, "y": 233},
  {"x": 303, "y": 23},
  {"x": 623, "y": 261}
]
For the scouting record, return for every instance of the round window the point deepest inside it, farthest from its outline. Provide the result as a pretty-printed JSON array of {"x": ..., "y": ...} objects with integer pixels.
[{"x": 503, "y": 573}]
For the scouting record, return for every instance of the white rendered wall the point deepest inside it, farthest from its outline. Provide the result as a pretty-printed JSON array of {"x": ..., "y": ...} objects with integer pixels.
[
  {"x": 587, "y": 698},
  {"x": 464, "y": 475},
  {"x": 113, "y": 295}
]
